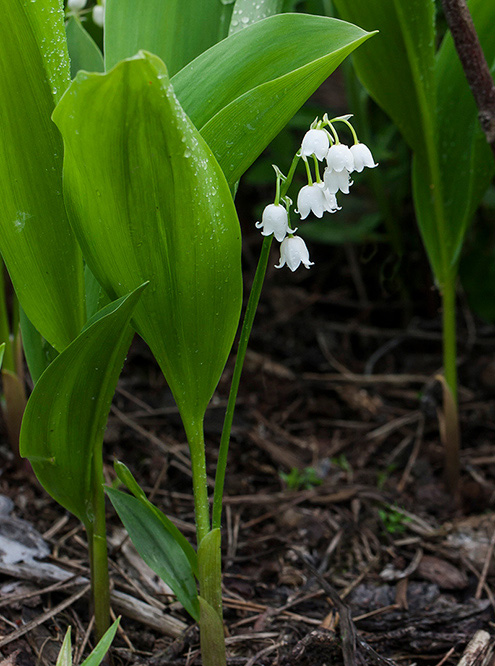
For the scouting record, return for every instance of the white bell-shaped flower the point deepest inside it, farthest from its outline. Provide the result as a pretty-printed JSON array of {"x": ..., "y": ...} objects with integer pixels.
[
  {"x": 313, "y": 198},
  {"x": 293, "y": 253},
  {"x": 76, "y": 5},
  {"x": 99, "y": 14},
  {"x": 275, "y": 220},
  {"x": 331, "y": 200},
  {"x": 339, "y": 157},
  {"x": 337, "y": 180},
  {"x": 362, "y": 157},
  {"x": 315, "y": 142}
]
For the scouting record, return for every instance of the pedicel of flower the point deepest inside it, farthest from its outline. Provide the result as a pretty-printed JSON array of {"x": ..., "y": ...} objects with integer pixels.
[{"x": 293, "y": 253}]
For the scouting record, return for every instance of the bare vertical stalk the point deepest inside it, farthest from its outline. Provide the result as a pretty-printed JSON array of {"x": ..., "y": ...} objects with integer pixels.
[{"x": 474, "y": 64}]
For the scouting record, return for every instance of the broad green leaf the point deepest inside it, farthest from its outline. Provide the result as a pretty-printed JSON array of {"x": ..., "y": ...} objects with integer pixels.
[
  {"x": 397, "y": 67},
  {"x": 247, "y": 12},
  {"x": 174, "y": 30},
  {"x": 65, "y": 655},
  {"x": 64, "y": 423},
  {"x": 243, "y": 91},
  {"x": 37, "y": 244},
  {"x": 99, "y": 652},
  {"x": 83, "y": 50},
  {"x": 148, "y": 201},
  {"x": 125, "y": 476},
  {"x": 157, "y": 547},
  {"x": 465, "y": 162}
]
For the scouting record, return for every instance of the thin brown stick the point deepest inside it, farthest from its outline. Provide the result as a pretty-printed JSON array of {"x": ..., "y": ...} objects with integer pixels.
[{"x": 474, "y": 64}]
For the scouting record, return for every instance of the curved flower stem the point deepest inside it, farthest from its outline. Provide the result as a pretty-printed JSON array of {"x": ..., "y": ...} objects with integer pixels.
[{"x": 247, "y": 325}]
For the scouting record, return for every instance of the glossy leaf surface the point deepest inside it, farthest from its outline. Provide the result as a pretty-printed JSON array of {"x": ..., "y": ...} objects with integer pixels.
[
  {"x": 174, "y": 30},
  {"x": 247, "y": 12},
  {"x": 157, "y": 547},
  {"x": 243, "y": 91},
  {"x": 148, "y": 201},
  {"x": 36, "y": 241},
  {"x": 66, "y": 415}
]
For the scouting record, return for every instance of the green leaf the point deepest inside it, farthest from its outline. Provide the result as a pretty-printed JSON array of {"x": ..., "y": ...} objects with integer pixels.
[
  {"x": 243, "y": 91},
  {"x": 64, "y": 423},
  {"x": 157, "y": 547},
  {"x": 37, "y": 244},
  {"x": 397, "y": 68},
  {"x": 148, "y": 201},
  {"x": 83, "y": 50},
  {"x": 125, "y": 476},
  {"x": 174, "y": 30},
  {"x": 65, "y": 655},
  {"x": 98, "y": 654},
  {"x": 2, "y": 352},
  {"x": 247, "y": 12}
]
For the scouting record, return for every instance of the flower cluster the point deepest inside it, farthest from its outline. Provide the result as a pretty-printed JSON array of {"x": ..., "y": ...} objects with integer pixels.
[
  {"x": 316, "y": 197},
  {"x": 98, "y": 11}
]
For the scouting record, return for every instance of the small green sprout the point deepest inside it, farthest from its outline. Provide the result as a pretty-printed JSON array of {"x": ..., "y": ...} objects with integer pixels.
[{"x": 301, "y": 478}]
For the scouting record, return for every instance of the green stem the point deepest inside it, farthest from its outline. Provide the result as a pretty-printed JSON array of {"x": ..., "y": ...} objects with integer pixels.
[
  {"x": 449, "y": 335},
  {"x": 195, "y": 437},
  {"x": 97, "y": 539}
]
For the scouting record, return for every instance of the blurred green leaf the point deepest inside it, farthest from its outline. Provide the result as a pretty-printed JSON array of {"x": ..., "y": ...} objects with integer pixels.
[
  {"x": 465, "y": 162},
  {"x": 125, "y": 476},
  {"x": 243, "y": 91},
  {"x": 157, "y": 547},
  {"x": 64, "y": 423},
  {"x": 148, "y": 201},
  {"x": 174, "y": 30},
  {"x": 2, "y": 352},
  {"x": 83, "y": 50},
  {"x": 37, "y": 244},
  {"x": 397, "y": 67},
  {"x": 336, "y": 232}
]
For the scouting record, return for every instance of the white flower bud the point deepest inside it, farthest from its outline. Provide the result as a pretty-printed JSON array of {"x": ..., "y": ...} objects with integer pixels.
[
  {"x": 293, "y": 252},
  {"x": 99, "y": 15},
  {"x": 76, "y": 5}
]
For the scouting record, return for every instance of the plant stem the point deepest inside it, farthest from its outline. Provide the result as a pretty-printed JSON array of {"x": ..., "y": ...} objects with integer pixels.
[
  {"x": 97, "y": 539},
  {"x": 195, "y": 437},
  {"x": 451, "y": 430}
]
